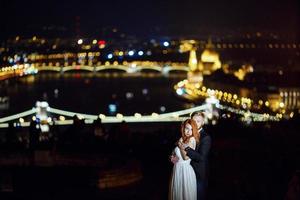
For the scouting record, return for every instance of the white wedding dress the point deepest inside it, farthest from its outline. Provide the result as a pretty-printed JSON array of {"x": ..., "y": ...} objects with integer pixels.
[{"x": 183, "y": 184}]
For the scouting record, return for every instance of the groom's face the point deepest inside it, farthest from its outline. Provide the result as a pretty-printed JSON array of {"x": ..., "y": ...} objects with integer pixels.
[{"x": 199, "y": 121}]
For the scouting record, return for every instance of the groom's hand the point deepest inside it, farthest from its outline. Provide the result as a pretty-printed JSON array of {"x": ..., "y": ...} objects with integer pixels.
[{"x": 182, "y": 146}]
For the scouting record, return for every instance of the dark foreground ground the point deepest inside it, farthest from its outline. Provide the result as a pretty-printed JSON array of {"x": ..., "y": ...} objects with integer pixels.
[{"x": 246, "y": 162}]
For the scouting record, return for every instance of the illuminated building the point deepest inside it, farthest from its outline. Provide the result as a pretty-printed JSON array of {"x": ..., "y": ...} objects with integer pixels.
[{"x": 210, "y": 60}]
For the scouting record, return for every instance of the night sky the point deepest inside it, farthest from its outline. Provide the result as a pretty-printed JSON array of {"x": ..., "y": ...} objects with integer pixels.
[{"x": 144, "y": 17}]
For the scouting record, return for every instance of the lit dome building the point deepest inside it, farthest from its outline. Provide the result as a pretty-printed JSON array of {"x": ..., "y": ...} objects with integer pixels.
[
  {"x": 208, "y": 63},
  {"x": 210, "y": 60}
]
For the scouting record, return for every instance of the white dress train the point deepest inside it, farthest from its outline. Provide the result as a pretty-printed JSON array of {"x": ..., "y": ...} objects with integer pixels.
[{"x": 183, "y": 185}]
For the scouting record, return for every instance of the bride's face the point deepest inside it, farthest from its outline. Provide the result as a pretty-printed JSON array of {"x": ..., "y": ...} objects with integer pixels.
[{"x": 188, "y": 130}]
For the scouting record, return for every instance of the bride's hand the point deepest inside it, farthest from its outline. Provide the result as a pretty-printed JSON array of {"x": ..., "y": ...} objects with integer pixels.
[{"x": 174, "y": 159}]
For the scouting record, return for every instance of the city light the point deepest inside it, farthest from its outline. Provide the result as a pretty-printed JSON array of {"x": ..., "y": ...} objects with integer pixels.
[
  {"x": 121, "y": 53},
  {"x": 179, "y": 91},
  {"x": 62, "y": 118},
  {"x": 80, "y": 41},
  {"x": 166, "y": 44},
  {"x": 281, "y": 104},
  {"x": 51, "y": 62},
  {"x": 102, "y": 44},
  {"x": 109, "y": 56},
  {"x": 141, "y": 53},
  {"x": 131, "y": 53},
  {"x": 119, "y": 116},
  {"x": 243, "y": 104},
  {"x": 21, "y": 120},
  {"x": 102, "y": 116},
  {"x": 137, "y": 115}
]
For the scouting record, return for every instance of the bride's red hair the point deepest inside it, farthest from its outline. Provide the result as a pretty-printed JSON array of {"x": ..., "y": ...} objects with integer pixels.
[{"x": 195, "y": 133}]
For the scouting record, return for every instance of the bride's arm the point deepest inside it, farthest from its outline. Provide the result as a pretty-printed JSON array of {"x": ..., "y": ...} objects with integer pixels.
[{"x": 181, "y": 148}]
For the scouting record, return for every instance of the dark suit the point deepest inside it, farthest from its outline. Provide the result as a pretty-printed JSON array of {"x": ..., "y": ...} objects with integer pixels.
[{"x": 199, "y": 162}]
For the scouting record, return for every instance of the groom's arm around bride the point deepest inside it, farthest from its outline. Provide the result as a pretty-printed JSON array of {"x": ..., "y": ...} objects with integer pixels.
[{"x": 200, "y": 154}]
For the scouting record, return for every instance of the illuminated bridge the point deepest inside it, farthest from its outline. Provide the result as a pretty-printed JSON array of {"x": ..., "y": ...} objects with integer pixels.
[
  {"x": 136, "y": 118},
  {"x": 127, "y": 67}
]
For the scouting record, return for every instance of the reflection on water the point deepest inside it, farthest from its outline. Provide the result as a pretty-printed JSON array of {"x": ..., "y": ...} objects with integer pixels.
[{"x": 94, "y": 93}]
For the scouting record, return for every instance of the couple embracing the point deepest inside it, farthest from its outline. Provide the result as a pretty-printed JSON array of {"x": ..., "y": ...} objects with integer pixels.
[{"x": 190, "y": 159}]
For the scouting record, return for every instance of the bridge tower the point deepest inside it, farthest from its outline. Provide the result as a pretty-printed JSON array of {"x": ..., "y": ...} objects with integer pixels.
[{"x": 212, "y": 110}]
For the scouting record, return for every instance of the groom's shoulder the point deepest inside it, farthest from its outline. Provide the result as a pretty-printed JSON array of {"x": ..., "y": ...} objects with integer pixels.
[{"x": 205, "y": 135}]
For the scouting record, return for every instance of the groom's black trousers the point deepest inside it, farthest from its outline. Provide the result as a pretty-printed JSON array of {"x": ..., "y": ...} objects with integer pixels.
[{"x": 201, "y": 189}]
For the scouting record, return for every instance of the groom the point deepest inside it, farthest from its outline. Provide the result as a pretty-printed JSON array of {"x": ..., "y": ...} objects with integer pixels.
[{"x": 199, "y": 156}]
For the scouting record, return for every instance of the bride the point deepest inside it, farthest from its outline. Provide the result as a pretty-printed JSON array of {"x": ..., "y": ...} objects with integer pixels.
[{"x": 183, "y": 184}]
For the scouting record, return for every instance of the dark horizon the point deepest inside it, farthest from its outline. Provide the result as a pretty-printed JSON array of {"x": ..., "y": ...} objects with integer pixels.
[{"x": 145, "y": 18}]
